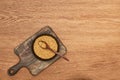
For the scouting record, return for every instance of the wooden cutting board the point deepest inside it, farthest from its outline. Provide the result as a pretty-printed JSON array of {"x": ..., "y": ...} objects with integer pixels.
[{"x": 90, "y": 29}]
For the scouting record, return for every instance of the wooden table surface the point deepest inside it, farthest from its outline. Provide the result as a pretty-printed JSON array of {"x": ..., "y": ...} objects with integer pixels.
[{"x": 90, "y": 29}]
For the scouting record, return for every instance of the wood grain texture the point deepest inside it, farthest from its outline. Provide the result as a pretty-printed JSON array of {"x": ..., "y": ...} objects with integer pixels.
[{"x": 90, "y": 29}]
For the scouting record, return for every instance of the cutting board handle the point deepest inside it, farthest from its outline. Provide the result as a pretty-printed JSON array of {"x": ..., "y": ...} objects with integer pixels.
[{"x": 14, "y": 69}]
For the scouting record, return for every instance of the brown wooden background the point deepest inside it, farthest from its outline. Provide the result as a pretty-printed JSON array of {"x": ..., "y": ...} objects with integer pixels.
[{"x": 90, "y": 29}]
